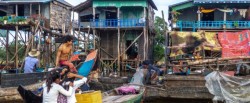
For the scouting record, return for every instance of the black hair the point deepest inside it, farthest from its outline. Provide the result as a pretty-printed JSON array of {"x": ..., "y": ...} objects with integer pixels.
[
  {"x": 68, "y": 38},
  {"x": 53, "y": 75},
  {"x": 146, "y": 62}
]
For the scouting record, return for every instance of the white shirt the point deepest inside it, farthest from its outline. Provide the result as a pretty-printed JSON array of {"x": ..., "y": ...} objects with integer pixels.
[
  {"x": 77, "y": 84},
  {"x": 51, "y": 96}
]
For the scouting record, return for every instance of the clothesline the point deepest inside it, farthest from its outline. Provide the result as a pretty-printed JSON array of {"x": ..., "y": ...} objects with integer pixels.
[{"x": 228, "y": 10}]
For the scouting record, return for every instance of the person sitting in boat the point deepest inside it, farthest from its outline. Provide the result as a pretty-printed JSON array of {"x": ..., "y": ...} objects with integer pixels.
[
  {"x": 150, "y": 71},
  {"x": 31, "y": 62},
  {"x": 52, "y": 88},
  {"x": 64, "y": 52}
]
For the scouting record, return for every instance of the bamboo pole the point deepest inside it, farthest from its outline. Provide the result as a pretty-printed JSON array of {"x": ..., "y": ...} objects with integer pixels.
[
  {"x": 7, "y": 47},
  {"x": 118, "y": 40},
  {"x": 94, "y": 31},
  {"x": 16, "y": 49},
  {"x": 145, "y": 38},
  {"x": 128, "y": 48}
]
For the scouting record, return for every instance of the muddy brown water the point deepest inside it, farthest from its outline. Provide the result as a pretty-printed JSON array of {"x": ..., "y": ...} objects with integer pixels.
[{"x": 174, "y": 100}]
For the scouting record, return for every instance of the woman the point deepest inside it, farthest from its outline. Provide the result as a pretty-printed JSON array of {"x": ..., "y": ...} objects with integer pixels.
[{"x": 52, "y": 88}]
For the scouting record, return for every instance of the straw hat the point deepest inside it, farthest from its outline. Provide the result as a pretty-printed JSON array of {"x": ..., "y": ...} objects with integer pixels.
[{"x": 34, "y": 53}]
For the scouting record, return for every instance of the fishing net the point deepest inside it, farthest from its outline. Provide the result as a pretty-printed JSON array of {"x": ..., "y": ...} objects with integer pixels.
[{"x": 228, "y": 88}]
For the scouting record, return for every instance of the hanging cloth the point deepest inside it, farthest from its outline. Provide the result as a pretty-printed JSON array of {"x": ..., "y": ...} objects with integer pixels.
[
  {"x": 242, "y": 12},
  {"x": 207, "y": 10},
  {"x": 226, "y": 10}
]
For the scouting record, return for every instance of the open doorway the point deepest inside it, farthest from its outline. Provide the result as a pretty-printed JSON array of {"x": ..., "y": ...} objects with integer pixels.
[
  {"x": 132, "y": 52},
  {"x": 2, "y": 13},
  {"x": 112, "y": 16},
  {"x": 208, "y": 16},
  {"x": 20, "y": 10}
]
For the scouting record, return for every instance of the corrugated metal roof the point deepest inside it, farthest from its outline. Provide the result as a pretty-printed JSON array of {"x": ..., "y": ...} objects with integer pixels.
[
  {"x": 65, "y": 2},
  {"x": 220, "y": 1},
  {"x": 37, "y": 1},
  {"x": 88, "y": 3}
]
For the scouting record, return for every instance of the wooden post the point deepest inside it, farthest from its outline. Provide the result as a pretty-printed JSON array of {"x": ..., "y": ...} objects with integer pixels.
[
  {"x": 16, "y": 49},
  {"x": 30, "y": 9},
  {"x": 118, "y": 44},
  {"x": 199, "y": 17},
  {"x": 16, "y": 10},
  {"x": 7, "y": 47},
  {"x": 94, "y": 31},
  {"x": 50, "y": 49},
  {"x": 166, "y": 41},
  {"x": 32, "y": 37},
  {"x": 39, "y": 10},
  {"x": 145, "y": 38},
  {"x": 225, "y": 15},
  {"x": 224, "y": 19}
]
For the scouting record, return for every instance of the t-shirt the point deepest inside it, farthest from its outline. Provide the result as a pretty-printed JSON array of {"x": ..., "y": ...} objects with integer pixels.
[
  {"x": 30, "y": 64},
  {"x": 77, "y": 84},
  {"x": 51, "y": 96}
]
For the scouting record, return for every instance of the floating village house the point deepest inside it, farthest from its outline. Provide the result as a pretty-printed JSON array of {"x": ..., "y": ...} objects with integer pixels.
[
  {"x": 16, "y": 14},
  {"x": 124, "y": 27},
  {"x": 211, "y": 28}
]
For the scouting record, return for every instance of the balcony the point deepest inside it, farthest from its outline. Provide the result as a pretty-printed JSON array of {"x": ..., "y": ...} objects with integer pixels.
[
  {"x": 213, "y": 24},
  {"x": 113, "y": 23}
]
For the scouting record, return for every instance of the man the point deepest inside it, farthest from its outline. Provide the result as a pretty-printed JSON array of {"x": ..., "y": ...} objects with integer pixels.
[
  {"x": 64, "y": 52},
  {"x": 150, "y": 70},
  {"x": 31, "y": 62}
]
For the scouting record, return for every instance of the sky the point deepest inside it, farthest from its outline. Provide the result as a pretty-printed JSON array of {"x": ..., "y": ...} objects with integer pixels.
[{"x": 161, "y": 5}]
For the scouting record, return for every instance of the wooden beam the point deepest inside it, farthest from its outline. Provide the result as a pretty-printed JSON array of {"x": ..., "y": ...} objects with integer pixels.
[
  {"x": 128, "y": 47},
  {"x": 199, "y": 62},
  {"x": 16, "y": 49},
  {"x": 145, "y": 38},
  {"x": 30, "y": 9},
  {"x": 118, "y": 40},
  {"x": 7, "y": 47},
  {"x": 94, "y": 31},
  {"x": 16, "y": 10}
]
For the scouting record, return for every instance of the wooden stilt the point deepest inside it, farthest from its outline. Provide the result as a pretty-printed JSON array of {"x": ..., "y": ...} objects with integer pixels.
[
  {"x": 145, "y": 37},
  {"x": 119, "y": 37},
  {"x": 94, "y": 31},
  {"x": 7, "y": 48},
  {"x": 16, "y": 49}
]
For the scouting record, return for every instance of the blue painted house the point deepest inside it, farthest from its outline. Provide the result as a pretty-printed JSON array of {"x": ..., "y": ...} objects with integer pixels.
[
  {"x": 193, "y": 15},
  {"x": 119, "y": 24}
]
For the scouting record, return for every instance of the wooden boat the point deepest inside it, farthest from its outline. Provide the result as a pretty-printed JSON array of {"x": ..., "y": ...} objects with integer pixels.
[
  {"x": 88, "y": 64},
  {"x": 113, "y": 96}
]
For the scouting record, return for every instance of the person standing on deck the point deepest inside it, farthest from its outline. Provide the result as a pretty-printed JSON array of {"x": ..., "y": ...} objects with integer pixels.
[
  {"x": 64, "y": 52},
  {"x": 31, "y": 62},
  {"x": 150, "y": 69}
]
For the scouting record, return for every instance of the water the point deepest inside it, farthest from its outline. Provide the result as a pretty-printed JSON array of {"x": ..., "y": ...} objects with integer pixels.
[{"x": 174, "y": 100}]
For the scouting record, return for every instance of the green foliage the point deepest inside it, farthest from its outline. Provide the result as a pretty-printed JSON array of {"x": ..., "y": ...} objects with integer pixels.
[
  {"x": 159, "y": 40},
  {"x": 12, "y": 49},
  {"x": 175, "y": 15},
  {"x": 236, "y": 24}
]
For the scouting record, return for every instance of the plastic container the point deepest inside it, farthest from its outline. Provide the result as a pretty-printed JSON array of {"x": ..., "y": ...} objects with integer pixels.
[{"x": 89, "y": 97}]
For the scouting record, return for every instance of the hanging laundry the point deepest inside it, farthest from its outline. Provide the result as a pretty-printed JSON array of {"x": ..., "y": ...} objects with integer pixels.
[
  {"x": 242, "y": 12},
  {"x": 226, "y": 10},
  {"x": 207, "y": 10}
]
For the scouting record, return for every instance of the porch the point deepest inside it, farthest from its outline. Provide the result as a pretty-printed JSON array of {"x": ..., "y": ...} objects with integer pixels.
[
  {"x": 113, "y": 23},
  {"x": 212, "y": 25}
]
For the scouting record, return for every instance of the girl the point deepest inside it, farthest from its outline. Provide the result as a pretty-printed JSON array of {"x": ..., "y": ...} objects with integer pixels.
[{"x": 52, "y": 88}]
